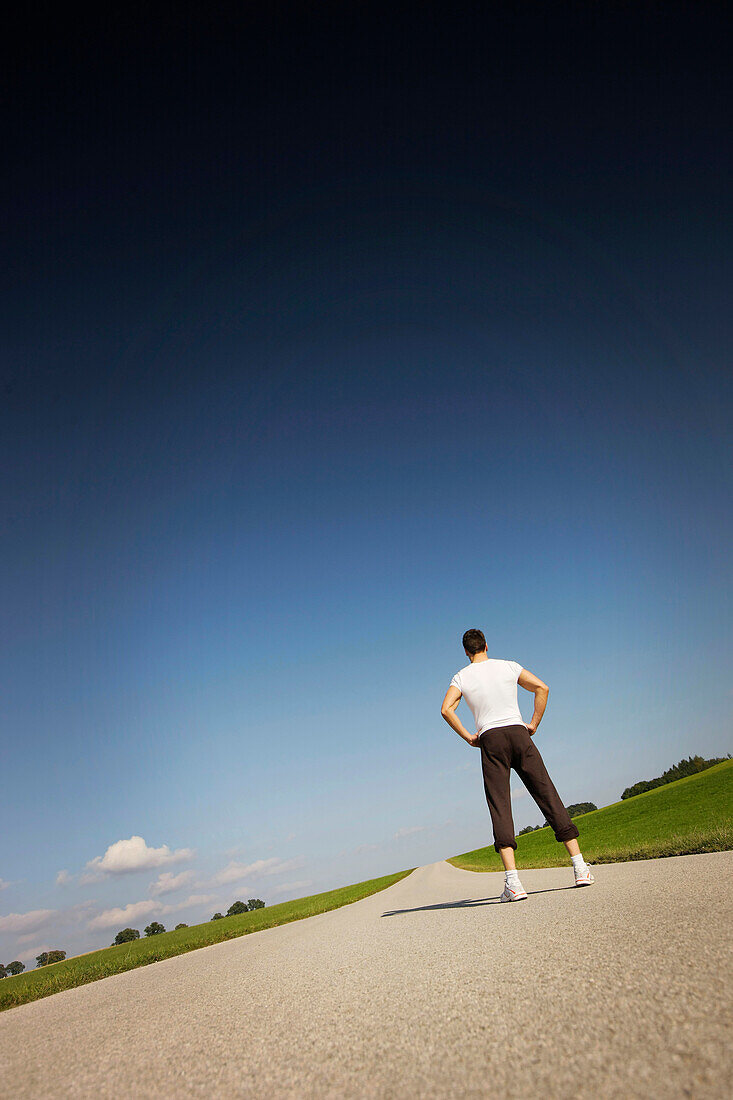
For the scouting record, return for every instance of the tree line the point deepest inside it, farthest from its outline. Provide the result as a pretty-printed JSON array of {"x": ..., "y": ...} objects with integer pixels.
[
  {"x": 574, "y": 810},
  {"x": 154, "y": 929},
  {"x": 127, "y": 935},
  {"x": 17, "y": 967},
  {"x": 691, "y": 766}
]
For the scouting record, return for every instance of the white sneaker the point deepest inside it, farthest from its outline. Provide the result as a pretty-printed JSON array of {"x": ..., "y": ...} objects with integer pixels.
[
  {"x": 583, "y": 876},
  {"x": 514, "y": 893}
]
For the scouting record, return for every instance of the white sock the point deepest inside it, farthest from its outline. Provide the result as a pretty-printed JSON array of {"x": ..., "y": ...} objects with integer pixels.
[
  {"x": 578, "y": 862},
  {"x": 511, "y": 875}
]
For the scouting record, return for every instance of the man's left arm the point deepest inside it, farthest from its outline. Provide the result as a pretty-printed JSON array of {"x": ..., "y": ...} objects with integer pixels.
[{"x": 448, "y": 710}]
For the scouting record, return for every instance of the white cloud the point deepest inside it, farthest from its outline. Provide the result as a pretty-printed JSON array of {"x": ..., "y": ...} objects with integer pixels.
[
  {"x": 62, "y": 878},
  {"x": 74, "y": 911},
  {"x": 359, "y": 849},
  {"x": 409, "y": 831},
  {"x": 290, "y": 887},
  {"x": 27, "y": 922},
  {"x": 139, "y": 911},
  {"x": 468, "y": 767},
  {"x": 237, "y": 872},
  {"x": 28, "y": 926},
  {"x": 191, "y": 900},
  {"x": 124, "y": 916},
  {"x": 43, "y": 918},
  {"x": 167, "y": 883},
  {"x": 26, "y": 938},
  {"x": 3, "y": 884},
  {"x": 127, "y": 856},
  {"x": 31, "y": 956},
  {"x": 519, "y": 792}
]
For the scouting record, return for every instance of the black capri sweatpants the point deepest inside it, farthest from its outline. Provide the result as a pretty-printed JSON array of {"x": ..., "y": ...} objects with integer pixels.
[{"x": 506, "y": 747}]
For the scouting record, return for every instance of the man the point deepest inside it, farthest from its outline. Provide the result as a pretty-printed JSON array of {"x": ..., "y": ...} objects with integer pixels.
[{"x": 489, "y": 686}]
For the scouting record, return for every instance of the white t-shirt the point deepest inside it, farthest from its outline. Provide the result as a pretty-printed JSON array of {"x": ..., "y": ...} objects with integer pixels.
[{"x": 490, "y": 689}]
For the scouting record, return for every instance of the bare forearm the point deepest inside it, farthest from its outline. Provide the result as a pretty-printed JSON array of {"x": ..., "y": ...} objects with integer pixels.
[
  {"x": 455, "y": 723},
  {"x": 540, "y": 702}
]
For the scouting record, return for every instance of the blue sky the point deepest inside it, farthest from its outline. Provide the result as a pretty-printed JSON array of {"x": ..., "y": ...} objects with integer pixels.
[{"x": 261, "y": 475}]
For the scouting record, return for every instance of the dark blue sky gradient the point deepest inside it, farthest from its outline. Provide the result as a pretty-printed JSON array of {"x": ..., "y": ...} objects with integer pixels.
[{"x": 326, "y": 339}]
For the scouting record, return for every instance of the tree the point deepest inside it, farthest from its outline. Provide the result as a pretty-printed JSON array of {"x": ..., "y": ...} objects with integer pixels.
[
  {"x": 180, "y": 926},
  {"x": 235, "y": 908},
  {"x": 3, "y": 972},
  {"x": 48, "y": 957},
  {"x": 581, "y": 808},
  {"x": 15, "y": 967},
  {"x": 578, "y": 808},
  {"x": 255, "y": 903},
  {"x": 218, "y": 916},
  {"x": 127, "y": 935},
  {"x": 154, "y": 929}
]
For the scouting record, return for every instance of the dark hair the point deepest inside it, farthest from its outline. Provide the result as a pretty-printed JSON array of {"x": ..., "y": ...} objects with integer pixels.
[{"x": 474, "y": 641}]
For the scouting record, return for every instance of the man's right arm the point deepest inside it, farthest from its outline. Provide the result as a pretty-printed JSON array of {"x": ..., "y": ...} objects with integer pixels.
[
  {"x": 448, "y": 710},
  {"x": 541, "y": 692}
]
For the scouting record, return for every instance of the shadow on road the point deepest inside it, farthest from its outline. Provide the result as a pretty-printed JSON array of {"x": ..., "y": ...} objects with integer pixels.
[{"x": 467, "y": 903}]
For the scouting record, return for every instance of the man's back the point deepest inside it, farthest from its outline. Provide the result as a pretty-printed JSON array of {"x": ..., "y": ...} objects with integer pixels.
[{"x": 490, "y": 689}]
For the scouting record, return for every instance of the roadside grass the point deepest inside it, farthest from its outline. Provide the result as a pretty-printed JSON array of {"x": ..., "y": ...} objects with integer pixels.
[
  {"x": 690, "y": 815},
  {"x": 93, "y": 965}
]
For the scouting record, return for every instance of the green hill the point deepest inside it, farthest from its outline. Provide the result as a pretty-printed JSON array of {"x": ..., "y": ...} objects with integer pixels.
[{"x": 690, "y": 815}]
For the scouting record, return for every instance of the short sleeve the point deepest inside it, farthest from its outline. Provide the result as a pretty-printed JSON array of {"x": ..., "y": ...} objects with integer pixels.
[
  {"x": 515, "y": 667},
  {"x": 456, "y": 682}
]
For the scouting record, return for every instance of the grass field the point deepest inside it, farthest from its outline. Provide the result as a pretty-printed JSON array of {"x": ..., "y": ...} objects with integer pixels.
[
  {"x": 691, "y": 815},
  {"x": 80, "y": 969}
]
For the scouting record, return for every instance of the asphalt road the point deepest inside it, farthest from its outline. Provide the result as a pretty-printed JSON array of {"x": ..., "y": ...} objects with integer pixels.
[{"x": 430, "y": 988}]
